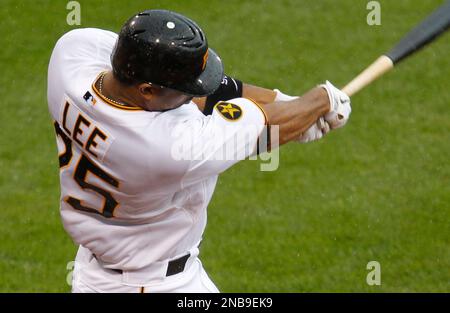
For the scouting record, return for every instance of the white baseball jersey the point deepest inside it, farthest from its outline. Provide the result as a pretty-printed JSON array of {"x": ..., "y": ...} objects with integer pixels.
[{"x": 135, "y": 184}]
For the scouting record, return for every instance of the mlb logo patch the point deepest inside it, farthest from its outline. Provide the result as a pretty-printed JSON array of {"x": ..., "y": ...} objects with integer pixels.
[{"x": 89, "y": 98}]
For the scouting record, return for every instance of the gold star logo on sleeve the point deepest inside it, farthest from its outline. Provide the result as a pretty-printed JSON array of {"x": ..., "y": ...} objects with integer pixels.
[{"x": 229, "y": 111}]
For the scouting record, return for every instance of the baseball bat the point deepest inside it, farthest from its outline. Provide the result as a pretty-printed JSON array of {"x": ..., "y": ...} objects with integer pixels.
[{"x": 428, "y": 30}]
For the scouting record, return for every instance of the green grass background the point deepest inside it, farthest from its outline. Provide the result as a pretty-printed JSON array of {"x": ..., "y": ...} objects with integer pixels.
[{"x": 377, "y": 189}]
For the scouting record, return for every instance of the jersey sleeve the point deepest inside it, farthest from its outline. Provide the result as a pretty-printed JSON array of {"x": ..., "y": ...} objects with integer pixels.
[
  {"x": 215, "y": 142},
  {"x": 77, "y": 58}
]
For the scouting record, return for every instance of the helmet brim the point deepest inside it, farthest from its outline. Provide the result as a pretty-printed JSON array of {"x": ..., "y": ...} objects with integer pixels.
[{"x": 208, "y": 81}]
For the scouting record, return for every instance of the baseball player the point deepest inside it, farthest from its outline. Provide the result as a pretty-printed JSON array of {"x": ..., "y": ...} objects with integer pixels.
[{"x": 134, "y": 204}]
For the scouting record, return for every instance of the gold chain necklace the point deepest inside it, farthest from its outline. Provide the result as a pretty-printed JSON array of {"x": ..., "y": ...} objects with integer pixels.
[{"x": 100, "y": 88}]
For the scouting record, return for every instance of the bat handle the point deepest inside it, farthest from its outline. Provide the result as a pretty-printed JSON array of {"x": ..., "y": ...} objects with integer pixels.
[{"x": 381, "y": 65}]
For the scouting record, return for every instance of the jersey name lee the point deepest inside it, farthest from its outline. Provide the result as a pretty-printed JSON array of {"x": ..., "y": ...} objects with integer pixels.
[{"x": 83, "y": 131}]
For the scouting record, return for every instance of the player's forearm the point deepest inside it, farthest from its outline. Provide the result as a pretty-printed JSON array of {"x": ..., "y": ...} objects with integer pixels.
[
  {"x": 296, "y": 116},
  {"x": 258, "y": 94}
]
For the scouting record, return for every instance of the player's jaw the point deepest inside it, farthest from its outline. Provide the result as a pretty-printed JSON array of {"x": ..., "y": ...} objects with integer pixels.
[{"x": 162, "y": 99}]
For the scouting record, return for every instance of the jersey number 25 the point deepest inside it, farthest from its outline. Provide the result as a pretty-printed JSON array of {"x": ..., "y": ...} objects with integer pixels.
[{"x": 83, "y": 167}]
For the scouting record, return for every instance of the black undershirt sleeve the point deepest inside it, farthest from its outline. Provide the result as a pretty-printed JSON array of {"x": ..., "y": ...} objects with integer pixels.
[{"x": 229, "y": 88}]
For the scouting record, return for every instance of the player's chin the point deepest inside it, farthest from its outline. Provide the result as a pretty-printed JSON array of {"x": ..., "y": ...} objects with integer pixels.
[
  {"x": 177, "y": 104},
  {"x": 188, "y": 100},
  {"x": 181, "y": 101}
]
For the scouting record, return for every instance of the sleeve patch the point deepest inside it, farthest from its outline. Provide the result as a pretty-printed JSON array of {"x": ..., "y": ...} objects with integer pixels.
[{"x": 229, "y": 111}]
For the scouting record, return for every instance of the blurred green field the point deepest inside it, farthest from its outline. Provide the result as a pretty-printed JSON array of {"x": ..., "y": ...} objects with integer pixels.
[{"x": 377, "y": 189}]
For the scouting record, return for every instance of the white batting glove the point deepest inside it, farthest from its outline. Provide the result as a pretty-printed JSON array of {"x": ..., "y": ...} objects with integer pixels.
[
  {"x": 316, "y": 131},
  {"x": 340, "y": 108},
  {"x": 279, "y": 96}
]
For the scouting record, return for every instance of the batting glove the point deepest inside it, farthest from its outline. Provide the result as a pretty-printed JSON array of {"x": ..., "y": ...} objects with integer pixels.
[
  {"x": 340, "y": 108},
  {"x": 316, "y": 131}
]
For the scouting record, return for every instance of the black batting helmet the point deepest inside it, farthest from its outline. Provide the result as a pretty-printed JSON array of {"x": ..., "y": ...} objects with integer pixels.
[{"x": 167, "y": 49}]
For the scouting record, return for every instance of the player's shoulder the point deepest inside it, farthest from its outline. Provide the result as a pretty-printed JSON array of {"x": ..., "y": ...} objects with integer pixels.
[
  {"x": 81, "y": 50},
  {"x": 191, "y": 111},
  {"x": 230, "y": 110},
  {"x": 188, "y": 118},
  {"x": 87, "y": 33},
  {"x": 85, "y": 38},
  {"x": 184, "y": 113}
]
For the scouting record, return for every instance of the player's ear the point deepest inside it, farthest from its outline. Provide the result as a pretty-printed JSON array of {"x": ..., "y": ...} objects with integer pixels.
[{"x": 146, "y": 90}]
